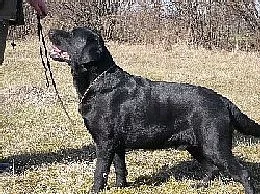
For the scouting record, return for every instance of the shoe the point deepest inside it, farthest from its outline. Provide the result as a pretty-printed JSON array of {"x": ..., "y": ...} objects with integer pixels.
[{"x": 5, "y": 167}]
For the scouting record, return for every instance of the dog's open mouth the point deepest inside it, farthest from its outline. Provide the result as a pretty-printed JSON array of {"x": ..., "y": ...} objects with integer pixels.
[{"x": 58, "y": 54}]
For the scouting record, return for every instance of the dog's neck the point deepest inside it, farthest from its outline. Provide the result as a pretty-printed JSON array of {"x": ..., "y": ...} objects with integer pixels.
[{"x": 83, "y": 80}]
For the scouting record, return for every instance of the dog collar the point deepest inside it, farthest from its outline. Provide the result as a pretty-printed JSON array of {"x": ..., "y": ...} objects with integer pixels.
[{"x": 94, "y": 81}]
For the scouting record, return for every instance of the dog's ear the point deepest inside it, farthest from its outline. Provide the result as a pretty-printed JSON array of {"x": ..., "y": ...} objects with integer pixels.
[{"x": 92, "y": 51}]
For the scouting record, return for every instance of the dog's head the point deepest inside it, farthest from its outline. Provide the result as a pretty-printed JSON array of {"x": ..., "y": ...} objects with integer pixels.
[{"x": 79, "y": 46}]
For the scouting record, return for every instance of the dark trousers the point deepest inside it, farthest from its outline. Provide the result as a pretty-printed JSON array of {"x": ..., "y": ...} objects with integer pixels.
[{"x": 3, "y": 35}]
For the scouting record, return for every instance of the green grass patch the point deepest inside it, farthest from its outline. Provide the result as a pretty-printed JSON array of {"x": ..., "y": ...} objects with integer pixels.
[{"x": 53, "y": 155}]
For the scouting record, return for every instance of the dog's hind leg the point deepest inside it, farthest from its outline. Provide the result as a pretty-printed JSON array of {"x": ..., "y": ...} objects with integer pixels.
[
  {"x": 218, "y": 150},
  {"x": 228, "y": 163},
  {"x": 239, "y": 173},
  {"x": 120, "y": 168},
  {"x": 211, "y": 169}
]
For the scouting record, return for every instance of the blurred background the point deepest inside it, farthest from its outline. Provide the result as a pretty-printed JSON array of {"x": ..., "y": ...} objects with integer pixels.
[{"x": 225, "y": 24}]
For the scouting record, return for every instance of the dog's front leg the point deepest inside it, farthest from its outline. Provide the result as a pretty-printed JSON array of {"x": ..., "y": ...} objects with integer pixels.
[
  {"x": 105, "y": 156},
  {"x": 120, "y": 168}
]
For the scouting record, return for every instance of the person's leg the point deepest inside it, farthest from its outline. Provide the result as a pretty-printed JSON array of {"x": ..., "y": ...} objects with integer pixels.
[{"x": 3, "y": 35}]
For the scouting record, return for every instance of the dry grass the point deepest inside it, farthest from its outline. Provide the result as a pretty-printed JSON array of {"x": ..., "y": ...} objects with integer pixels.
[{"x": 52, "y": 155}]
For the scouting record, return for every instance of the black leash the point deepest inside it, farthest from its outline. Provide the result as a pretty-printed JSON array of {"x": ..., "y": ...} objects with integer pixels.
[
  {"x": 47, "y": 66},
  {"x": 13, "y": 43}
]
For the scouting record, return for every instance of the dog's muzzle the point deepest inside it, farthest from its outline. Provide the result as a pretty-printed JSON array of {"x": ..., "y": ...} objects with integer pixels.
[{"x": 58, "y": 54}]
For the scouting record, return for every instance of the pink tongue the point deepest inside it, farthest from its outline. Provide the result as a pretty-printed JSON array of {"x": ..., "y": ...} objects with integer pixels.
[{"x": 56, "y": 48}]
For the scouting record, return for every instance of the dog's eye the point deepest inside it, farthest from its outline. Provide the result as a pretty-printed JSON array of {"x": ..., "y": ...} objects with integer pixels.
[{"x": 92, "y": 38}]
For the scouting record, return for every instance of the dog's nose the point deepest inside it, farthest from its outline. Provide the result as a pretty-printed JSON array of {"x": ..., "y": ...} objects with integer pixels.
[{"x": 51, "y": 32}]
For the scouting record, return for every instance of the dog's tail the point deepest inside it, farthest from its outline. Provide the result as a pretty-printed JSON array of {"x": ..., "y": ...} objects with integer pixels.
[{"x": 240, "y": 121}]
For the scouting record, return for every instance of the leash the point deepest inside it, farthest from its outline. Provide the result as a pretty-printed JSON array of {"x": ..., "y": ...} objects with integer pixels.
[
  {"x": 47, "y": 66},
  {"x": 93, "y": 82},
  {"x": 13, "y": 44}
]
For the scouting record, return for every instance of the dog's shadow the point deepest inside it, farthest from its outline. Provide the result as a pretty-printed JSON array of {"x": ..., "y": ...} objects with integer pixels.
[
  {"x": 190, "y": 170},
  {"x": 31, "y": 160},
  {"x": 183, "y": 170}
]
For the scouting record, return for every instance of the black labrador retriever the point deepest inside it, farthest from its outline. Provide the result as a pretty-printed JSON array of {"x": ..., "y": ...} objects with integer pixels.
[{"x": 125, "y": 111}]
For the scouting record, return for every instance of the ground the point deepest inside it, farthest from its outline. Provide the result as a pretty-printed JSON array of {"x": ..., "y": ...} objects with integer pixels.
[{"x": 50, "y": 154}]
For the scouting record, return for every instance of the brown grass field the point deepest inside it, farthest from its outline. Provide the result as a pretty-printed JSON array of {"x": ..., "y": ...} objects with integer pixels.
[{"x": 52, "y": 155}]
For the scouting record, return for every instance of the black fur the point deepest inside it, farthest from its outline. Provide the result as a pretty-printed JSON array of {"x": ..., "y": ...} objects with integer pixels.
[{"x": 126, "y": 111}]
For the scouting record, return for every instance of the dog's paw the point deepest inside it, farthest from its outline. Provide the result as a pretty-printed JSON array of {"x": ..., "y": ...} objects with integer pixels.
[
  {"x": 121, "y": 184},
  {"x": 200, "y": 184},
  {"x": 93, "y": 192}
]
